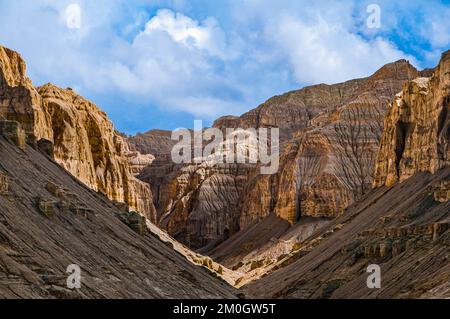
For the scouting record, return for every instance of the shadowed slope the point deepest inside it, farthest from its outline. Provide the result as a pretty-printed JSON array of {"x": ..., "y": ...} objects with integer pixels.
[{"x": 37, "y": 244}]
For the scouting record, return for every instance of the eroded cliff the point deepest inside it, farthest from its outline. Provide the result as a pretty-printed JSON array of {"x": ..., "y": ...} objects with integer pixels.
[
  {"x": 83, "y": 138},
  {"x": 417, "y": 128}
]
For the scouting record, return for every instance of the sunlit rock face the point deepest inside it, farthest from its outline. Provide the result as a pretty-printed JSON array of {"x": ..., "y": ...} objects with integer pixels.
[
  {"x": 85, "y": 142},
  {"x": 417, "y": 129},
  {"x": 19, "y": 100}
]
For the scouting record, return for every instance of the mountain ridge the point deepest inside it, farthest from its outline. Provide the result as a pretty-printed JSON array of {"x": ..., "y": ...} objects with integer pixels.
[{"x": 333, "y": 129}]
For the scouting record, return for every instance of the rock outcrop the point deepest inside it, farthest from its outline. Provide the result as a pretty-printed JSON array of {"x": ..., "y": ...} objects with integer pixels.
[
  {"x": 158, "y": 144},
  {"x": 13, "y": 131},
  {"x": 4, "y": 183},
  {"x": 86, "y": 144},
  {"x": 311, "y": 106},
  {"x": 155, "y": 142},
  {"x": 84, "y": 140},
  {"x": 200, "y": 204},
  {"x": 417, "y": 129}
]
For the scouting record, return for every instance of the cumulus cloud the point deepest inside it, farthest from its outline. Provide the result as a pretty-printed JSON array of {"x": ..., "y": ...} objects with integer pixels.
[
  {"x": 204, "y": 36},
  {"x": 174, "y": 61},
  {"x": 319, "y": 51}
]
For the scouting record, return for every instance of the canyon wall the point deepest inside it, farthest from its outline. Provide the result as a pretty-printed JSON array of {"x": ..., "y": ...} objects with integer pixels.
[
  {"x": 83, "y": 138},
  {"x": 328, "y": 164}
]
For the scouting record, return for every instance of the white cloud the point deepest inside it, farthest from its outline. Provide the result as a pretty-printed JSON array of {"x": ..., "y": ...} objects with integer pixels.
[
  {"x": 205, "y": 36},
  {"x": 439, "y": 33},
  {"x": 322, "y": 52}
]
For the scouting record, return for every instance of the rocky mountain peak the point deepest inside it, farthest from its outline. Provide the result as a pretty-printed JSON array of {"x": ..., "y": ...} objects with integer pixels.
[{"x": 401, "y": 69}]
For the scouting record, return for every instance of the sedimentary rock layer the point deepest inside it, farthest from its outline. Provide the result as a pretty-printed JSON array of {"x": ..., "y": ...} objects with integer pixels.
[
  {"x": 328, "y": 162},
  {"x": 19, "y": 100}
]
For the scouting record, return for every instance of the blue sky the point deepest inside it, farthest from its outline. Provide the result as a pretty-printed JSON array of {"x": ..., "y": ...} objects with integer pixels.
[{"x": 162, "y": 64}]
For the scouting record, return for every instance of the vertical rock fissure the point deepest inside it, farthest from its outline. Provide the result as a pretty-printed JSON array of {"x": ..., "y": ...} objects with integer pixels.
[
  {"x": 444, "y": 128},
  {"x": 400, "y": 140}
]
